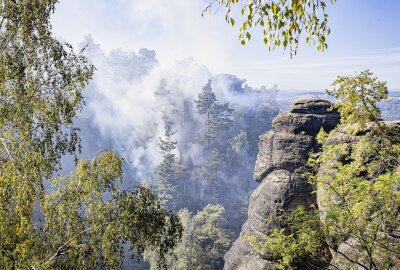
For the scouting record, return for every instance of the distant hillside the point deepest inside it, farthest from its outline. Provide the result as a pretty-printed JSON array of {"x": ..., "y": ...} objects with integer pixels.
[{"x": 390, "y": 107}]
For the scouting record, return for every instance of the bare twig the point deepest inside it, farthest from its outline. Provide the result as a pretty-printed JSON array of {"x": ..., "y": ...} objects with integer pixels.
[{"x": 3, "y": 142}]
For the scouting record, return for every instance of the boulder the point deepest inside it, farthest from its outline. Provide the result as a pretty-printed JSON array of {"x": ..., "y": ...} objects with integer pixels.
[
  {"x": 310, "y": 124},
  {"x": 281, "y": 150},
  {"x": 310, "y": 106}
]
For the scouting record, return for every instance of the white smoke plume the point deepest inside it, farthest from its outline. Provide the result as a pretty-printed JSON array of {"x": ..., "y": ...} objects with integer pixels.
[{"x": 123, "y": 107}]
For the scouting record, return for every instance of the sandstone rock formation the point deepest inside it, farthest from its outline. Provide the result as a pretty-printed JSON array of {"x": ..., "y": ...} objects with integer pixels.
[{"x": 283, "y": 153}]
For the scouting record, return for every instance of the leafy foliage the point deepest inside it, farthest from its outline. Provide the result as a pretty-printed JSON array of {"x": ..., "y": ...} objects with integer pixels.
[
  {"x": 83, "y": 221},
  {"x": 86, "y": 230},
  {"x": 359, "y": 199},
  {"x": 296, "y": 247},
  {"x": 204, "y": 240},
  {"x": 280, "y": 21},
  {"x": 358, "y": 97},
  {"x": 211, "y": 233},
  {"x": 41, "y": 83},
  {"x": 189, "y": 253}
]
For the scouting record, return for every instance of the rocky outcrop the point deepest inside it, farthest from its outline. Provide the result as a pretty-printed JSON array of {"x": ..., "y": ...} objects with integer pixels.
[{"x": 283, "y": 153}]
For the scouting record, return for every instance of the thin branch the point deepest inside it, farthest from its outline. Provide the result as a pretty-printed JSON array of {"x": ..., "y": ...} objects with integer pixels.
[
  {"x": 208, "y": 7},
  {"x": 339, "y": 252},
  {"x": 8, "y": 151},
  {"x": 58, "y": 252}
]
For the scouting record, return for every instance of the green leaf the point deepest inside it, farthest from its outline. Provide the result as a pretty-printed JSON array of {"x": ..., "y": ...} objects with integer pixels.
[{"x": 248, "y": 36}]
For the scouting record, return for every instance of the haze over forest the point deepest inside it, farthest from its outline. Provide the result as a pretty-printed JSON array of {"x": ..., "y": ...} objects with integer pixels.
[
  {"x": 215, "y": 135},
  {"x": 133, "y": 98}
]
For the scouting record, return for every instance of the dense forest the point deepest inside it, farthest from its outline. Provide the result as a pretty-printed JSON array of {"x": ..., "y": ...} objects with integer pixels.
[
  {"x": 110, "y": 160},
  {"x": 193, "y": 137},
  {"x": 190, "y": 136}
]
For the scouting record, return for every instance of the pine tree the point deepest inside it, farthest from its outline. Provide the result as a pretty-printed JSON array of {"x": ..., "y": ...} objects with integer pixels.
[
  {"x": 204, "y": 106},
  {"x": 164, "y": 171},
  {"x": 162, "y": 90},
  {"x": 206, "y": 100},
  {"x": 212, "y": 168},
  {"x": 168, "y": 145},
  {"x": 218, "y": 115},
  {"x": 221, "y": 118},
  {"x": 217, "y": 121}
]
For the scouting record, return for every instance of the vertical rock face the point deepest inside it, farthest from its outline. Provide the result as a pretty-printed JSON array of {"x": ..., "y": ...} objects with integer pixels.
[{"x": 283, "y": 153}]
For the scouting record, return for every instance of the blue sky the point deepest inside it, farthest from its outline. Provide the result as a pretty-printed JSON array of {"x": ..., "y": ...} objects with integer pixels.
[{"x": 365, "y": 34}]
